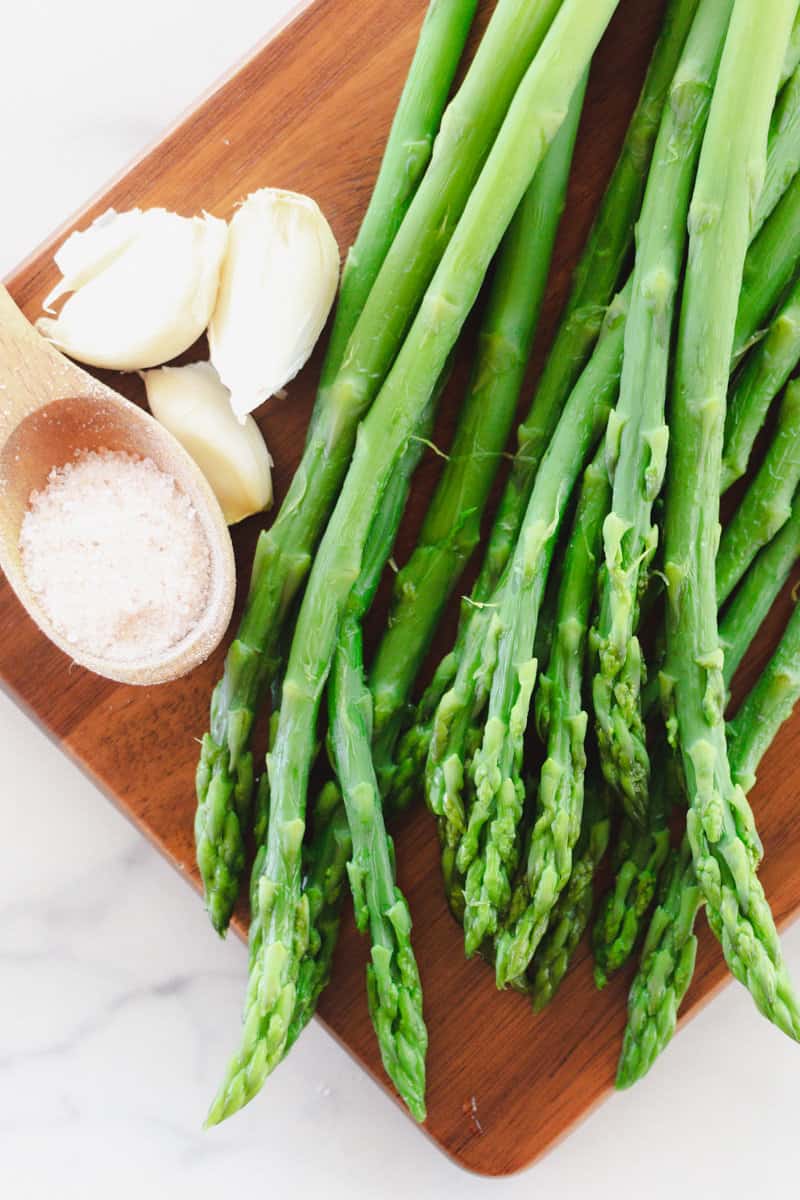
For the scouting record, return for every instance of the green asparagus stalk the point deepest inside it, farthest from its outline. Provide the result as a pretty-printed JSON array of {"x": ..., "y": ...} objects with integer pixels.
[
  {"x": 451, "y": 529},
  {"x": 725, "y": 845},
  {"x": 595, "y": 280},
  {"x": 792, "y": 57},
  {"x": 573, "y": 908},
  {"x": 223, "y": 809},
  {"x": 783, "y": 149},
  {"x": 775, "y": 357},
  {"x": 393, "y": 985},
  {"x": 765, "y": 371},
  {"x": 668, "y": 956},
  {"x": 667, "y": 966},
  {"x": 405, "y": 159},
  {"x": 533, "y": 119},
  {"x": 488, "y": 848},
  {"x": 767, "y": 503},
  {"x": 770, "y": 268},
  {"x": 641, "y": 856},
  {"x": 284, "y": 551},
  {"x": 768, "y": 705},
  {"x": 638, "y": 435},
  {"x": 550, "y": 845},
  {"x": 756, "y": 594},
  {"x": 327, "y": 856}
]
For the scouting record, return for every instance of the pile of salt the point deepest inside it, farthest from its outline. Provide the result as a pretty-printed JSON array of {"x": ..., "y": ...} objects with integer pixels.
[{"x": 116, "y": 556}]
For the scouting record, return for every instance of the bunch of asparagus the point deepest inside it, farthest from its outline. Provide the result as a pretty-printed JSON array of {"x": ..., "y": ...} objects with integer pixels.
[{"x": 681, "y": 330}]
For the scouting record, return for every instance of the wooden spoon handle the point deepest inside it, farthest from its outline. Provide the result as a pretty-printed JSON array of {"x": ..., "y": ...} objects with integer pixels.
[{"x": 32, "y": 372}]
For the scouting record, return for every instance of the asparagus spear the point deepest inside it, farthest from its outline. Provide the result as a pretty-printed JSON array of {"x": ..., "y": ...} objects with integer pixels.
[
  {"x": 594, "y": 283},
  {"x": 488, "y": 847},
  {"x": 770, "y": 268},
  {"x": 768, "y": 705},
  {"x": 791, "y": 59},
  {"x": 573, "y": 908},
  {"x": 451, "y": 529},
  {"x": 777, "y": 223},
  {"x": 667, "y": 966},
  {"x": 533, "y": 119},
  {"x": 772, "y": 361},
  {"x": 223, "y": 809},
  {"x": 638, "y": 435},
  {"x": 405, "y": 159},
  {"x": 668, "y": 956},
  {"x": 641, "y": 855},
  {"x": 327, "y": 857},
  {"x": 415, "y": 221},
  {"x": 393, "y": 985},
  {"x": 549, "y": 850},
  {"x": 758, "y": 591},
  {"x": 767, "y": 502},
  {"x": 765, "y": 371},
  {"x": 720, "y": 825},
  {"x": 783, "y": 149}
]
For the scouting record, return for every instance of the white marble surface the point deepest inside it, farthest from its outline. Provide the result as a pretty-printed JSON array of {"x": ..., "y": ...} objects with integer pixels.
[{"x": 117, "y": 1005}]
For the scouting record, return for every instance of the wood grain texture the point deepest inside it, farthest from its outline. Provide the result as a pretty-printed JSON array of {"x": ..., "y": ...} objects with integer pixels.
[{"x": 311, "y": 111}]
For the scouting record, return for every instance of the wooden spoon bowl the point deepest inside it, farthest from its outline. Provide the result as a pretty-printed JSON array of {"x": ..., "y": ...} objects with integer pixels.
[{"x": 52, "y": 410}]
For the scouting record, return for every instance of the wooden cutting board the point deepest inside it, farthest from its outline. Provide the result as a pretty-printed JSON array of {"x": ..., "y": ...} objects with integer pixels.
[{"x": 310, "y": 111}]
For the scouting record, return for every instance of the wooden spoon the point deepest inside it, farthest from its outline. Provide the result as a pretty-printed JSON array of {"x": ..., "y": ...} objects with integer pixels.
[{"x": 50, "y": 410}]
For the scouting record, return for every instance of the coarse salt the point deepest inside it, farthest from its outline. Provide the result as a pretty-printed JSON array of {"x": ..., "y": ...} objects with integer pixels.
[{"x": 116, "y": 556}]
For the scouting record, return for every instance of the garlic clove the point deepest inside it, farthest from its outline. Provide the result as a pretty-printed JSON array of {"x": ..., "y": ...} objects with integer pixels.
[
  {"x": 278, "y": 283},
  {"x": 87, "y": 252},
  {"x": 143, "y": 286},
  {"x": 194, "y": 406}
]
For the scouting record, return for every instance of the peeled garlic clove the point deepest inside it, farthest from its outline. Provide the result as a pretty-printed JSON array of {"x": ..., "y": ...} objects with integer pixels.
[
  {"x": 143, "y": 287},
  {"x": 278, "y": 283},
  {"x": 86, "y": 253},
  {"x": 195, "y": 407}
]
